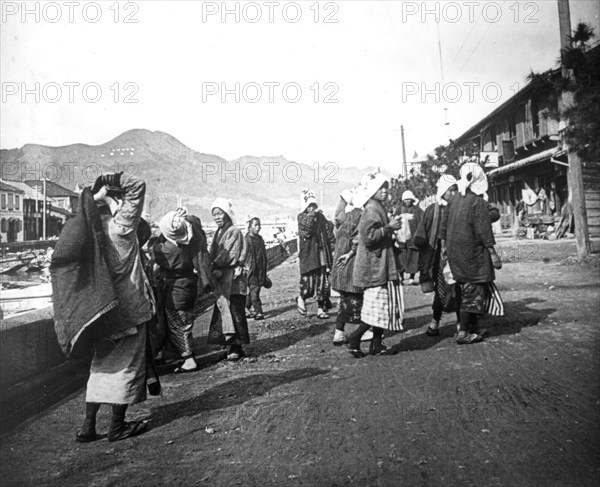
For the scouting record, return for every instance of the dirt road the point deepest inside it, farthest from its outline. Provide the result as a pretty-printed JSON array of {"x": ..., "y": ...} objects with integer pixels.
[{"x": 520, "y": 409}]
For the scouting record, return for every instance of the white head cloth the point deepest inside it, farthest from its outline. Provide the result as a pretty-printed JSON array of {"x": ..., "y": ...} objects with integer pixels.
[
  {"x": 307, "y": 198},
  {"x": 225, "y": 205},
  {"x": 408, "y": 195},
  {"x": 473, "y": 177},
  {"x": 369, "y": 185},
  {"x": 445, "y": 182}
]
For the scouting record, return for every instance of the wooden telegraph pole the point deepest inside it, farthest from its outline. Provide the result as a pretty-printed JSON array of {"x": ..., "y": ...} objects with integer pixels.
[
  {"x": 576, "y": 187},
  {"x": 404, "y": 170}
]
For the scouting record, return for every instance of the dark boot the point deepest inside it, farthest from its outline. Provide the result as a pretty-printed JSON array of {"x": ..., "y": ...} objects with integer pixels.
[
  {"x": 121, "y": 429},
  {"x": 354, "y": 340},
  {"x": 377, "y": 347},
  {"x": 87, "y": 432}
]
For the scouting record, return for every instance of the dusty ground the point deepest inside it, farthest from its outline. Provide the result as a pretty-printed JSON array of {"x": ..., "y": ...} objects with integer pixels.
[{"x": 520, "y": 409}]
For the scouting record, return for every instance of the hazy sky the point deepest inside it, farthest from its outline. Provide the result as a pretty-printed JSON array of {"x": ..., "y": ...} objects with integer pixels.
[{"x": 167, "y": 72}]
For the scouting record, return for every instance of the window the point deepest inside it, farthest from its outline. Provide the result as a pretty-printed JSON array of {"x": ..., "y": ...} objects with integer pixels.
[
  {"x": 17, "y": 202},
  {"x": 512, "y": 126},
  {"x": 493, "y": 137},
  {"x": 10, "y": 201},
  {"x": 4, "y": 202},
  {"x": 535, "y": 118}
]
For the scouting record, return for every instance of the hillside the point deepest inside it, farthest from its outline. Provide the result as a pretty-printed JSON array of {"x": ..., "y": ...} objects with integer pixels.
[{"x": 265, "y": 186}]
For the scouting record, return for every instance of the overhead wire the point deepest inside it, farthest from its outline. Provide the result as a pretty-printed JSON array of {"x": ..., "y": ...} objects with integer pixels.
[{"x": 478, "y": 42}]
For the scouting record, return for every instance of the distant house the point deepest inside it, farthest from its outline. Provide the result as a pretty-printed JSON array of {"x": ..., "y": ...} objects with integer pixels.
[
  {"x": 61, "y": 204},
  {"x": 522, "y": 153},
  {"x": 64, "y": 198},
  {"x": 11, "y": 213}
]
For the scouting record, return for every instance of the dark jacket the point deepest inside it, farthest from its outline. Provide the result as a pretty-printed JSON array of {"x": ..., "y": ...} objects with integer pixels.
[
  {"x": 256, "y": 259},
  {"x": 315, "y": 235},
  {"x": 426, "y": 239},
  {"x": 467, "y": 228},
  {"x": 179, "y": 281},
  {"x": 342, "y": 279},
  {"x": 84, "y": 297},
  {"x": 375, "y": 260}
]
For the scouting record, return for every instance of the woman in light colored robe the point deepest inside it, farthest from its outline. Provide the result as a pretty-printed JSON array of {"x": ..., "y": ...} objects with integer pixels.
[{"x": 228, "y": 325}]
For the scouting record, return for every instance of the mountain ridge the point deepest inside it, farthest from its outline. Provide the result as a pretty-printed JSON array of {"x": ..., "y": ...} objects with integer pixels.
[{"x": 266, "y": 186}]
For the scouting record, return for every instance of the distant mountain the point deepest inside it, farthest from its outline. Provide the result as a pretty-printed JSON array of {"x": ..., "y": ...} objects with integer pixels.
[{"x": 264, "y": 186}]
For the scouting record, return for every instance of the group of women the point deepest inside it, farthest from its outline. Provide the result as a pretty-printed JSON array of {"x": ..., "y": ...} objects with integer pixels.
[
  {"x": 226, "y": 269},
  {"x": 363, "y": 266},
  {"x": 359, "y": 255},
  {"x": 366, "y": 269}
]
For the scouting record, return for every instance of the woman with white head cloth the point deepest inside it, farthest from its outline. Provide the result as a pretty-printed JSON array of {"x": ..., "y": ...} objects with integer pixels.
[
  {"x": 431, "y": 263},
  {"x": 228, "y": 325},
  {"x": 469, "y": 243},
  {"x": 346, "y": 242},
  {"x": 315, "y": 255},
  {"x": 375, "y": 269}
]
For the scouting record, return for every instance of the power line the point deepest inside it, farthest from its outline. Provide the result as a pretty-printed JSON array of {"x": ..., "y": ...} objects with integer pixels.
[
  {"x": 465, "y": 41},
  {"x": 478, "y": 42}
]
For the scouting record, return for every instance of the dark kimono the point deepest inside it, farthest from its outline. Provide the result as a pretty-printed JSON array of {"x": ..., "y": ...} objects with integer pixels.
[
  {"x": 256, "y": 264},
  {"x": 228, "y": 324},
  {"x": 315, "y": 253},
  {"x": 342, "y": 278},
  {"x": 256, "y": 259},
  {"x": 178, "y": 291},
  {"x": 431, "y": 264},
  {"x": 467, "y": 228}
]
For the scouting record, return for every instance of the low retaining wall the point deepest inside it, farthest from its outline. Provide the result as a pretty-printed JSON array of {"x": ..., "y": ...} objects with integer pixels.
[{"x": 28, "y": 344}]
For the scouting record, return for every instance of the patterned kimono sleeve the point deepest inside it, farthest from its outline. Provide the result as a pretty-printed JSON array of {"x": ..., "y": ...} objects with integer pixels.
[{"x": 307, "y": 225}]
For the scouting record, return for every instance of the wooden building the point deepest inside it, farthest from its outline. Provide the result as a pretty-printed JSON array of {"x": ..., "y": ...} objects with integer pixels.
[{"x": 526, "y": 163}]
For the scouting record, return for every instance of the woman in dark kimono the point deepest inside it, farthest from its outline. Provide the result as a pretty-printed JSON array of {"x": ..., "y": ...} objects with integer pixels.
[
  {"x": 409, "y": 253},
  {"x": 346, "y": 238},
  {"x": 228, "y": 325},
  {"x": 176, "y": 254},
  {"x": 256, "y": 264},
  {"x": 469, "y": 243},
  {"x": 431, "y": 264},
  {"x": 315, "y": 254}
]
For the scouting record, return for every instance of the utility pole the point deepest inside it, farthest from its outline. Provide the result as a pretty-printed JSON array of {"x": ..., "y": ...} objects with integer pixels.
[
  {"x": 576, "y": 187},
  {"x": 44, "y": 213},
  {"x": 404, "y": 170}
]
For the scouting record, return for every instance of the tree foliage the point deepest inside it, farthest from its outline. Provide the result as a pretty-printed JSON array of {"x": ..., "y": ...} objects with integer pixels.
[
  {"x": 582, "y": 133},
  {"x": 446, "y": 159}
]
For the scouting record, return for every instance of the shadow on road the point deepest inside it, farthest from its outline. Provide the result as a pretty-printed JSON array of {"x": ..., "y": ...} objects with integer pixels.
[
  {"x": 232, "y": 393},
  {"x": 276, "y": 342},
  {"x": 518, "y": 315}
]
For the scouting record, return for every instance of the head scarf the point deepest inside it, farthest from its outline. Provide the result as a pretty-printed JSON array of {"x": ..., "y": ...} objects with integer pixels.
[
  {"x": 307, "y": 198},
  {"x": 348, "y": 196},
  {"x": 370, "y": 183},
  {"x": 223, "y": 204},
  {"x": 445, "y": 182},
  {"x": 175, "y": 228},
  {"x": 408, "y": 195},
  {"x": 472, "y": 177}
]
